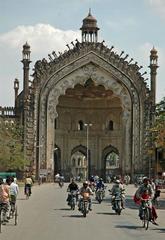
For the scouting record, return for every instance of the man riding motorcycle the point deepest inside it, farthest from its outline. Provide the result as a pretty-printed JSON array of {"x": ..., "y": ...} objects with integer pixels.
[
  {"x": 145, "y": 191},
  {"x": 118, "y": 188},
  {"x": 100, "y": 186},
  {"x": 86, "y": 189},
  {"x": 72, "y": 187}
]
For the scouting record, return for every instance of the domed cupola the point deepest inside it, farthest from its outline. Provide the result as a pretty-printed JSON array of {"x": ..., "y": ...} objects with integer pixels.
[{"x": 89, "y": 29}]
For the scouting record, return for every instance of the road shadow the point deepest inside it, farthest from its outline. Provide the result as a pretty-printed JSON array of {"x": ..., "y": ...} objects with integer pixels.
[
  {"x": 106, "y": 213},
  {"x": 161, "y": 204},
  {"x": 129, "y": 203},
  {"x": 97, "y": 203},
  {"x": 62, "y": 209},
  {"x": 161, "y": 230},
  {"x": 129, "y": 227},
  {"x": 73, "y": 216},
  {"x": 20, "y": 199}
]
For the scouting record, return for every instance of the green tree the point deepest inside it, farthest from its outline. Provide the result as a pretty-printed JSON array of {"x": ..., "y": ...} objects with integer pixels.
[
  {"x": 11, "y": 146},
  {"x": 160, "y": 124}
]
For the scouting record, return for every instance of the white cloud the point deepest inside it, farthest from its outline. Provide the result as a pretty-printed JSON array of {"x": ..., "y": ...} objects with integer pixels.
[{"x": 42, "y": 38}]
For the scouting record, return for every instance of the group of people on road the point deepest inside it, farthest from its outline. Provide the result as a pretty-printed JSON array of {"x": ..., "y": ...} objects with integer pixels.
[
  {"x": 145, "y": 191},
  {"x": 9, "y": 190},
  {"x": 8, "y": 195},
  {"x": 91, "y": 186}
]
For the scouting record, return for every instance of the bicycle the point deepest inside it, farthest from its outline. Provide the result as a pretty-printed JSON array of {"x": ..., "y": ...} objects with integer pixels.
[
  {"x": 146, "y": 213},
  {"x": 27, "y": 192},
  {"x": 3, "y": 210},
  {"x": 13, "y": 213}
]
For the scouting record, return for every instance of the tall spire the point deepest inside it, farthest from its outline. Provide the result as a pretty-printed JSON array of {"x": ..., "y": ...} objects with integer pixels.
[
  {"x": 26, "y": 62},
  {"x": 89, "y": 28},
  {"x": 153, "y": 66}
]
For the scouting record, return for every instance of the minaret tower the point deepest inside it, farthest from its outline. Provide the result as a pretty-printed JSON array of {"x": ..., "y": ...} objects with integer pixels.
[
  {"x": 153, "y": 66},
  {"x": 26, "y": 62},
  {"x": 89, "y": 29},
  {"x": 16, "y": 88}
]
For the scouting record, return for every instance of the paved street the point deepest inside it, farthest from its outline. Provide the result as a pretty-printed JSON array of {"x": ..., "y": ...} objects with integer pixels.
[{"x": 46, "y": 216}]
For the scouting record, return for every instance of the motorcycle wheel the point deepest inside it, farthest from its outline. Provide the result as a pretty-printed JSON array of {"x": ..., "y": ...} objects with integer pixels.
[
  {"x": 117, "y": 208},
  {"x": 72, "y": 206},
  {"x": 84, "y": 213},
  {"x": 99, "y": 200}
]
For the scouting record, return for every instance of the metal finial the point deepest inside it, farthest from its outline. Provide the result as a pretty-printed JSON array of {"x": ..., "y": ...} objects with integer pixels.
[
  {"x": 126, "y": 57},
  {"x": 68, "y": 46},
  {"x": 144, "y": 73},
  {"x": 111, "y": 48},
  {"x": 121, "y": 53},
  {"x": 130, "y": 60}
]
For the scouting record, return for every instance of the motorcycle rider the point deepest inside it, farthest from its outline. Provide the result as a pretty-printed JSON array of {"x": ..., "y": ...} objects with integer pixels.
[
  {"x": 145, "y": 191},
  {"x": 118, "y": 188},
  {"x": 100, "y": 185},
  {"x": 72, "y": 187},
  {"x": 86, "y": 189}
]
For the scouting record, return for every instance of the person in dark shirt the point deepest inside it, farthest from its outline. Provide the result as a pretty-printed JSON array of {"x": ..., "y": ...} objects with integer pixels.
[{"x": 72, "y": 187}]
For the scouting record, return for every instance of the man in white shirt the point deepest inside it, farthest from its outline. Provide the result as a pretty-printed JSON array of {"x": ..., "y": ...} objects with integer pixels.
[{"x": 14, "y": 189}]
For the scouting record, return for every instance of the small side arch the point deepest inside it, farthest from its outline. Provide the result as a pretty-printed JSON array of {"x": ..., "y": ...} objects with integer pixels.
[{"x": 111, "y": 162}]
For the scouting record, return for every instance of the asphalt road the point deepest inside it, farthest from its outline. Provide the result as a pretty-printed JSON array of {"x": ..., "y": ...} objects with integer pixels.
[{"x": 46, "y": 216}]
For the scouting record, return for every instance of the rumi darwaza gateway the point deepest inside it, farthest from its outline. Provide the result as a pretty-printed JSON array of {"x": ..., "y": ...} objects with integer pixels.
[{"x": 86, "y": 111}]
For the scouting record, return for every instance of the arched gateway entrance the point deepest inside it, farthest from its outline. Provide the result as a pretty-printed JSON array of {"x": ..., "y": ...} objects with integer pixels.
[{"x": 91, "y": 90}]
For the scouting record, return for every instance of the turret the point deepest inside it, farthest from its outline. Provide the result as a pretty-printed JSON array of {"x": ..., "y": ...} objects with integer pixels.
[
  {"x": 153, "y": 66},
  {"x": 26, "y": 62},
  {"x": 89, "y": 29}
]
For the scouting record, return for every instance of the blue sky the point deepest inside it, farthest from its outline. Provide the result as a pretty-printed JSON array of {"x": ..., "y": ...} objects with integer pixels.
[{"x": 130, "y": 25}]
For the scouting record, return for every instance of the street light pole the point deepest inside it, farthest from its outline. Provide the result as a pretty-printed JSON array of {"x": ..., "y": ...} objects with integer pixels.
[{"x": 87, "y": 125}]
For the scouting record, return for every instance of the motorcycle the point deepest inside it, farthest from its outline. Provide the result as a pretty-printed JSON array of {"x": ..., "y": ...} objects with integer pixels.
[
  {"x": 61, "y": 184},
  {"x": 72, "y": 199},
  {"x": 100, "y": 194},
  {"x": 84, "y": 204},
  {"x": 117, "y": 206}
]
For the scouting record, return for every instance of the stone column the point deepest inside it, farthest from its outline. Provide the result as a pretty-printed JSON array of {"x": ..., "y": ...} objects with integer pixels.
[{"x": 126, "y": 144}]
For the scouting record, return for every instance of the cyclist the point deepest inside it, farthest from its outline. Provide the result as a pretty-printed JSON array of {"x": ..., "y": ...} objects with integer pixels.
[
  {"x": 145, "y": 191},
  {"x": 28, "y": 185},
  {"x": 13, "y": 191}
]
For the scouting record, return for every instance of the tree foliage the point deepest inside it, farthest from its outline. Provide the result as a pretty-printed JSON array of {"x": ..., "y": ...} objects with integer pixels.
[
  {"x": 11, "y": 146},
  {"x": 159, "y": 127}
]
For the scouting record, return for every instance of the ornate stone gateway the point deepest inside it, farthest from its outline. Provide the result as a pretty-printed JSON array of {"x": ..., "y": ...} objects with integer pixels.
[
  {"x": 88, "y": 85},
  {"x": 101, "y": 73}
]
